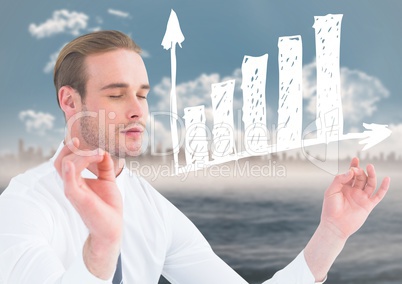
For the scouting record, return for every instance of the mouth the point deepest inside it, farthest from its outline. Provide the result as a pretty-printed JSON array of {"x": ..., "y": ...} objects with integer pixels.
[{"x": 135, "y": 131}]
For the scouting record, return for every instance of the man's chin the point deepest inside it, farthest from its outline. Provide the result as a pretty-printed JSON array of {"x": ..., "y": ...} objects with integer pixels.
[{"x": 128, "y": 152}]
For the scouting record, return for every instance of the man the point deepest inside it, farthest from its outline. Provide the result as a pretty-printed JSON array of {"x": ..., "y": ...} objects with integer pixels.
[{"x": 74, "y": 218}]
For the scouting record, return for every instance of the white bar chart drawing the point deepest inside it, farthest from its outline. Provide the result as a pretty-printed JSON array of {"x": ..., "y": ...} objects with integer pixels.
[
  {"x": 329, "y": 104},
  {"x": 329, "y": 117},
  {"x": 290, "y": 108},
  {"x": 254, "y": 72},
  {"x": 222, "y": 106},
  {"x": 196, "y": 135}
]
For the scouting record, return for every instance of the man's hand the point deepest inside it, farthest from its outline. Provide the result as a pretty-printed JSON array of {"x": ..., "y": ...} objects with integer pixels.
[
  {"x": 98, "y": 202},
  {"x": 350, "y": 198},
  {"x": 347, "y": 203}
]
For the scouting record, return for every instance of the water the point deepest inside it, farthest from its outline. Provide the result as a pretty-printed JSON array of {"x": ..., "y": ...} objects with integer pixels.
[
  {"x": 258, "y": 232},
  {"x": 259, "y": 229}
]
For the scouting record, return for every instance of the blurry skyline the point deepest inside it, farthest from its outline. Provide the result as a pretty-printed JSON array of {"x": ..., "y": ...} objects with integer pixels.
[
  {"x": 217, "y": 36},
  {"x": 157, "y": 166}
]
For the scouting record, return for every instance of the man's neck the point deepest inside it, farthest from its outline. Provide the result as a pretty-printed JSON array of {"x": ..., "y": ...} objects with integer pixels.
[
  {"x": 117, "y": 162},
  {"x": 118, "y": 166}
]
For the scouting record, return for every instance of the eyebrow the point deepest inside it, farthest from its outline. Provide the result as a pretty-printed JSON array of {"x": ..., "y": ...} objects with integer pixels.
[{"x": 123, "y": 85}]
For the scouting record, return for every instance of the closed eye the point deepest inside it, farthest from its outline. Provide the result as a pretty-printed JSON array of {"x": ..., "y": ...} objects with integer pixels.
[{"x": 116, "y": 96}]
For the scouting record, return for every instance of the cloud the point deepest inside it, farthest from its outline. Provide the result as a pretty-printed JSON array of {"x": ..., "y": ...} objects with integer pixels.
[
  {"x": 309, "y": 80},
  {"x": 62, "y": 21},
  {"x": 118, "y": 13},
  {"x": 94, "y": 29},
  {"x": 360, "y": 92},
  {"x": 37, "y": 122},
  {"x": 158, "y": 134},
  {"x": 52, "y": 60},
  {"x": 98, "y": 20}
]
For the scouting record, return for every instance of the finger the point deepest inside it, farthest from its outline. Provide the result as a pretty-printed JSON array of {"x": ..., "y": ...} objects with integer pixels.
[
  {"x": 106, "y": 168},
  {"x": 360, "y": 178},
  {"x": 81, "y": 158},
  {"x": 340, "y": 181},
  {"x": 354, "y": 163},
  {"x": 379, "y": 195},
  {"x": 83, "y": 199},
  {"x": 71, "y": 188},
  {"x": 82, "y": 162},
  {"x": 66, "y": 150},
  {"x": 371, "y": 180},
  {"x": 109, "y": 194}
]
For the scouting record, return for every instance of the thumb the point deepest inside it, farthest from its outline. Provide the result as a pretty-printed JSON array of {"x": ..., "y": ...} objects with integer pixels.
[
  {"x": 106, "y": 168},
  {"x": 341, "y": 180}
]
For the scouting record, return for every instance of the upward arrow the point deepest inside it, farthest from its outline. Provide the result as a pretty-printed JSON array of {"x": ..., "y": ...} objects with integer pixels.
[
  {"x": 173, "y": 36},
  {"x": 173, "y": 32}
]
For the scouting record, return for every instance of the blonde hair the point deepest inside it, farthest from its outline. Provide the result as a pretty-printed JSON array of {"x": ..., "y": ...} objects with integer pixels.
[{"x": 69, "y": 69}]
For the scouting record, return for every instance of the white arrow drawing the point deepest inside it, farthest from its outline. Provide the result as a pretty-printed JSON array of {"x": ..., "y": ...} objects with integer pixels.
[
  {"x": 173, "y": 36},
  {"x": 329, "y": 120},
  {"x": 374, "y": 135}
]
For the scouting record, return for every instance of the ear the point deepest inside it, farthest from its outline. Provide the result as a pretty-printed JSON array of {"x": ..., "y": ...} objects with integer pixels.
[{"x": 69, "y": 100}]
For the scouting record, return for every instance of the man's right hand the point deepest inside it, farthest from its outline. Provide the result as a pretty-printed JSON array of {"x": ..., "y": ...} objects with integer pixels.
[{"x": 98, "y": 202}]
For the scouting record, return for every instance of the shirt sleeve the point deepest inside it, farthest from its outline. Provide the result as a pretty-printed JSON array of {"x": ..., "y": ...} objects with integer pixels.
[
  {"x": 26, "y": 256},
  {"x": 78, "y": 273},
  {"x": 190, "y": 259},
  {"x": 296, "y": 272}
]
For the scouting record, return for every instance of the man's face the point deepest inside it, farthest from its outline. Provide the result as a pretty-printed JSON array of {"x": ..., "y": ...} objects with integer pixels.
[{"x": 116, "y": 102}]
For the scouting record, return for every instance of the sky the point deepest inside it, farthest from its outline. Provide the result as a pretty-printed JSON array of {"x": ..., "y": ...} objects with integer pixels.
[{"x": 217, "y": 36}]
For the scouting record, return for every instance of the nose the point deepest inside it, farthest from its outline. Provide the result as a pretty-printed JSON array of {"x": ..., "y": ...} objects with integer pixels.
[{"x": 135, "y": 108}]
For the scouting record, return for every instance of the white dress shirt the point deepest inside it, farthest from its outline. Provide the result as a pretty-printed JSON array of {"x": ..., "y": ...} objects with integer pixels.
[{"x": 42, "y": 237}]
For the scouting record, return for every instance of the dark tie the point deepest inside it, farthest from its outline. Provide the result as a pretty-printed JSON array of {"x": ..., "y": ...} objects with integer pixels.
[{"x": 118, "y": 275}]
